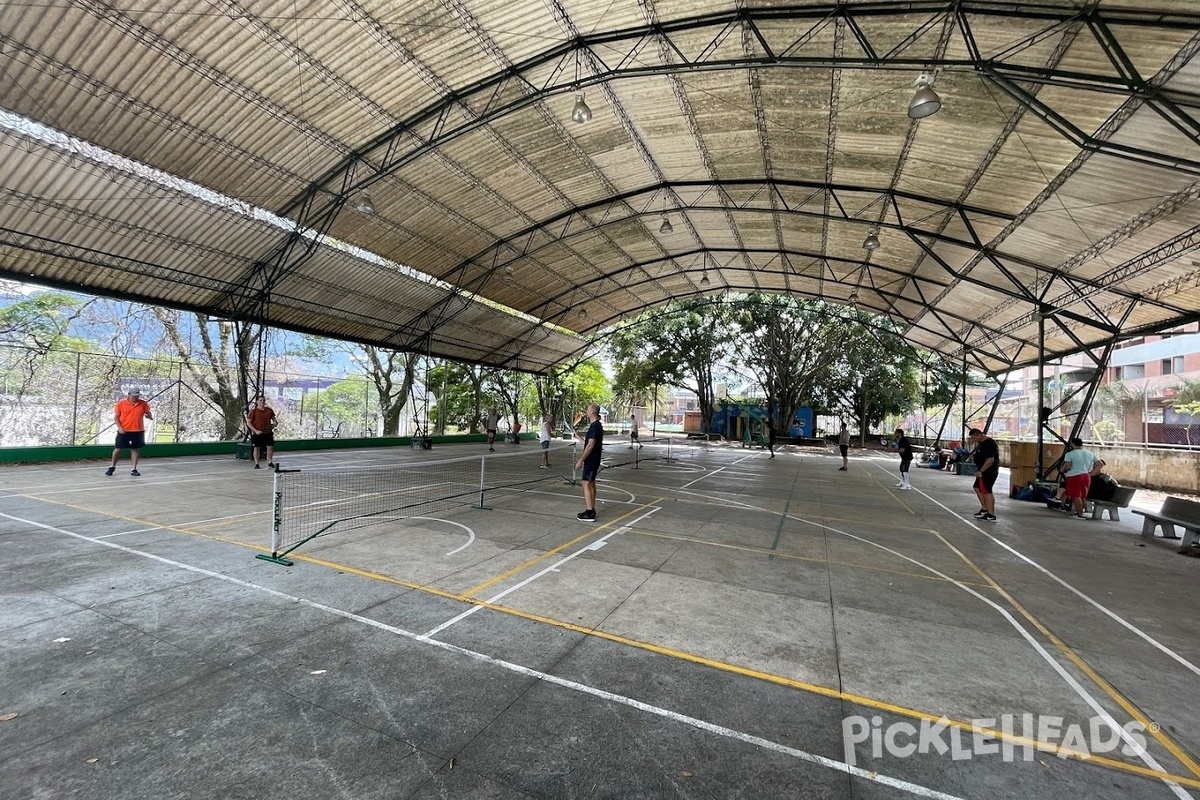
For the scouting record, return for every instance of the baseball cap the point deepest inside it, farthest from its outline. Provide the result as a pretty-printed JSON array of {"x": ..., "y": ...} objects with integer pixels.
[{"x": 134, "y": 393}]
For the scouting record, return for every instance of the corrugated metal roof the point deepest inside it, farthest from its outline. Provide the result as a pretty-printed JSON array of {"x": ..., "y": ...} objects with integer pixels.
[{"x": 1060, "y": 176}]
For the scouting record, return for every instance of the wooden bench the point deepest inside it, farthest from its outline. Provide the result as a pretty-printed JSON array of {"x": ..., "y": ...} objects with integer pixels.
[
  {"x": 1120, "y": 499},
  {"x": 1175, "y": 511}
]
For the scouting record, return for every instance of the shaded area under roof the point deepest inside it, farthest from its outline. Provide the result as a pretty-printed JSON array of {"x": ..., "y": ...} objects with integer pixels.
[{"x": 1059, "y": 179}]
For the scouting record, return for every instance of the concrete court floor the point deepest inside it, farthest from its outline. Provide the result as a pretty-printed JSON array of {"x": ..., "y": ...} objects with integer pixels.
[{"x": 728, "y": 625}]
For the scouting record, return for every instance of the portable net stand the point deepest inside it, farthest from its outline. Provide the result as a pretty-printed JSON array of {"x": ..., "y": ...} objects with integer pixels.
[{"x": 307, "y": 503}]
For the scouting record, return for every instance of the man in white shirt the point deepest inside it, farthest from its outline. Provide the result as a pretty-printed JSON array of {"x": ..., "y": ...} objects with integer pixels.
[
  {"x": 1077, "y": 467},
  {"x": 491, "y": 425},
  {"x": 544, "y": 437}
]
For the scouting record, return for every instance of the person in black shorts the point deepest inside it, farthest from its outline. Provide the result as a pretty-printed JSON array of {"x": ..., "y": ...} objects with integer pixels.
[
  {"x": 770, "y": 435},
  {"x": 589, "y": 462},
  {"x": 491, "y": 425},
  {"x": 987, "y": 469},
  {"x": 844, "y": 447},
  {"x": 904, "y": 447},
  {"x": 261, "y": 421}
]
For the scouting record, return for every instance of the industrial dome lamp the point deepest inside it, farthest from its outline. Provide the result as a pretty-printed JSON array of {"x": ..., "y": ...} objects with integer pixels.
[{"x": 925, "y": 101}]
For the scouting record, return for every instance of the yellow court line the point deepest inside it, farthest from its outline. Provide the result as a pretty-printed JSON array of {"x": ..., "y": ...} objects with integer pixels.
[
  {"x": 777, "y": 554},
  {"x": 768, "y": 677},
  {"x": 890, "y": 490},
  {"x": 1151, "y": 727},
  {"x": 510, "y": 572},
  {"x": 146, "y": 523},
  {"x": 890, "y": 527}
]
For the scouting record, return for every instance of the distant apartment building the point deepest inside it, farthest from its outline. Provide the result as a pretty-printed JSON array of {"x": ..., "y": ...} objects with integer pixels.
[{"x": 1135, "y": 402}]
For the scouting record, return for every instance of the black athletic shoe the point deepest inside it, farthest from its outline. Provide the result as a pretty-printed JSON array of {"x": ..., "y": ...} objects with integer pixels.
[
  {"x": 110, "y": 471},
  {"x": 258, "y": 466},
  {"x": 271, "y": 464},
  {"x": 135, "y": 473},
  {"x": 586, "y": 515},
  {"x": 989, "y": 517},
  {"x": 842, "y": 469},
  {"x": 981, "y": 513}
]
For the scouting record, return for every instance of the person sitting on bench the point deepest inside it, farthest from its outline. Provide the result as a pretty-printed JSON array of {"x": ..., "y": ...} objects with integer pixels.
[{"x": 1103, "y": 485}]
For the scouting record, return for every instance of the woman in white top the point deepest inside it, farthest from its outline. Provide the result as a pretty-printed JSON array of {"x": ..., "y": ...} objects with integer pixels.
[{"x": 544, "y": 439}]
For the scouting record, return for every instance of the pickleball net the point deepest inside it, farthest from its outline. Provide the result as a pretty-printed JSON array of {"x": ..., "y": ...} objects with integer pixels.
[{"x": 319, "y": 501}]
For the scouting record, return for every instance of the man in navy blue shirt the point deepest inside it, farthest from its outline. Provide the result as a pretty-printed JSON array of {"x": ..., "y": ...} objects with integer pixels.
[{"x": 589, "y": 462}]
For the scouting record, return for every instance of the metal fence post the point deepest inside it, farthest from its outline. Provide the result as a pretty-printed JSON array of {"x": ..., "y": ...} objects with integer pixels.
[
  {"x": 75, "y": 402},
  {"x": 179, "y": 402}
]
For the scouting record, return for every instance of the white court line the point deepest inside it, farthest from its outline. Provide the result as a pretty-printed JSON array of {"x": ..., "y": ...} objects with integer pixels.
[
  {"x": 108, "y": 484},
  {"x": 736, "y": 461},
  {"x": 596, "y": 545},
  {"x": 168, "y": 526},
  {"x": 1111, "y": 614},
  {"x": 702, "y": 477},
  {"x": 470, "y": 533},
  {"x": 1079, "y": 690},
  {"x": 658, "y": 711}
]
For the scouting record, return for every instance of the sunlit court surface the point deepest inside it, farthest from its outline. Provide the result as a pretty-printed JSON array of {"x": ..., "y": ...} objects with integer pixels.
[{"x": 730, "y": 626}]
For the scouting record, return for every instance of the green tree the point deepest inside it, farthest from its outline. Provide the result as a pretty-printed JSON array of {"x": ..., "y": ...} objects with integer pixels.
[
  {"x": 790, "y": 345},
  {"x": 342, "y": 408},
  {"x": 390, "y": 372},
  {"x": 459, "y": 391},
  {"x": 877, "y": 374},
  {"x": 509, "y": 386},
  {"x": 219, "y": 358},
  {"x": 682, "y": 344},
  {"x": 570, "y": 388},
  {"x": 1187, "y": 401}
]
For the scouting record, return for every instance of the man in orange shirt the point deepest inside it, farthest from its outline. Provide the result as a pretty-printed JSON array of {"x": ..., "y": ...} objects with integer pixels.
[
  {"x": 131, "y": 431},
  {"x": 262, "y": 421}
]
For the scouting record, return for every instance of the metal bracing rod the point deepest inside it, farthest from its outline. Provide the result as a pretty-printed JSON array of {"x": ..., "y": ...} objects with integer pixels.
[
  {"x": 431, "y": 127},
  {"x": 996, "y": 354},
  {"x": 996, "y": 402},
  {"x": 1164, "y": 107},
  {"x": 1184, "y": 243},
  {"x": 1085, "y": 140},
  {"x": 645, "y": 268},
  {"x": 1093, "y": 386},
  {"x": 521, "y": 242},
  {"x": 702, "y": 189}
]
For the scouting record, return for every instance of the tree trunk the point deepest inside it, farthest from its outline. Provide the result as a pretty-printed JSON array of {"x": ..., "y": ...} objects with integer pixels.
[{"x": 382, "y": 372}]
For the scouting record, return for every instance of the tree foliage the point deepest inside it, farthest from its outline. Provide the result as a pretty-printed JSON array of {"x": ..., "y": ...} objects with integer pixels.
[
  {"x": 459, "y": 391},
  {"x": 683, "y": 345},
  {"x": 878, "y": 374},
  {"x": 790, "y": 344},
  {"x": 219, "y": 358},
  {"x": 40, "y": 320}
]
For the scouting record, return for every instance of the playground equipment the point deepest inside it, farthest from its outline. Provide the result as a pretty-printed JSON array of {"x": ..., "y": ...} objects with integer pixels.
[{"x": 747, "y": 422}]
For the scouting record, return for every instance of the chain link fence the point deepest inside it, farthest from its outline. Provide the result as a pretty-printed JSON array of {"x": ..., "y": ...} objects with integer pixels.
[
  {"x": 1146, "y": 423},
  {"x": 66, "y": 398}
]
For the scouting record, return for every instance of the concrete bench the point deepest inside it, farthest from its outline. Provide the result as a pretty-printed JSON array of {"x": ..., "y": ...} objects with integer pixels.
[
  {"x": 1120, "y": 499},
  {"x": 1175, "y": 511}
]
